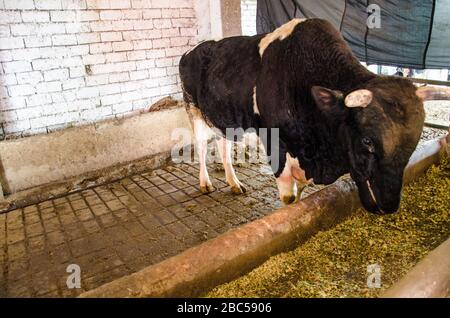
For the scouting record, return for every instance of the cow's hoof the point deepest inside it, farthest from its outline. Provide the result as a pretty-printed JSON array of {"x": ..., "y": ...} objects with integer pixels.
[
  {"x": 289, "y": 199},
  {"x": 238, "y": 189},
  {"x": 207, "y": 189}
]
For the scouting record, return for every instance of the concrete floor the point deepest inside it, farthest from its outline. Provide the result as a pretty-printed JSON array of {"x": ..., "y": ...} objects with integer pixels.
[{"x": 119, "y": 228}]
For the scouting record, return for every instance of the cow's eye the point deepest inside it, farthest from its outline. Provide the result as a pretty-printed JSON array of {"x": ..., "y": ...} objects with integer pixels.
[{"x": 368, "y": 144}]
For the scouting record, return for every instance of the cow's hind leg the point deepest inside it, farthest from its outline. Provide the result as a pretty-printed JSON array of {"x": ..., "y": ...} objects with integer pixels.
[
  {"x": 292, "y": 181},
  {"x": 201, "y": 133},
  {"x": 225, "y": 149}
]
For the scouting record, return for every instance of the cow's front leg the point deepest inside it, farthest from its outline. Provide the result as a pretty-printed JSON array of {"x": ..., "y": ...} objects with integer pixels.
[
  {"x": 292, "y": 181},
  {"x": 277, "y": 156},
  {"x": 287, "y": 186},
  {"x": 225, "y": 149},
  {"x": 299, "y": 175}
]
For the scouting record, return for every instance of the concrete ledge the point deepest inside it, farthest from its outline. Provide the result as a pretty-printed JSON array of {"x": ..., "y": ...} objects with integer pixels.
[
  {"x": 44, "y": 159},
  {"x": 430, "y": 278},
  {"x": 236, "y": 252},
  {"x": 425, "y": 155}
]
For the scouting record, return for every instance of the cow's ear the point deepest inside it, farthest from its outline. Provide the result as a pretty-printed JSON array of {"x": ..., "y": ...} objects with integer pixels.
[{"x": 328, "y": 101}]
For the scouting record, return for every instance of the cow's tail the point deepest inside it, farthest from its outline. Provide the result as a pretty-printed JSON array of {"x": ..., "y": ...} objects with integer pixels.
[
  {"x": 192, "y": 65},
  {"x": 182, "y": 71}
]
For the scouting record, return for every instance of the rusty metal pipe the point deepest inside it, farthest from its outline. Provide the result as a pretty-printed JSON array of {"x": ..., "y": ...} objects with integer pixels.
[{"x": 234, "y": 253}]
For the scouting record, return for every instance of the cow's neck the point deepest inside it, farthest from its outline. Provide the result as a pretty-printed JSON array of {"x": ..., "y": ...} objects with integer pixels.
[
  {"x": 355, "y": 77},
  {"x": 347, "y": 74}
]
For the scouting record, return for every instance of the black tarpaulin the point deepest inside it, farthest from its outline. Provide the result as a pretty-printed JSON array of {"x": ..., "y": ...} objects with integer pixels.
[{"x": 412, "y": 33}]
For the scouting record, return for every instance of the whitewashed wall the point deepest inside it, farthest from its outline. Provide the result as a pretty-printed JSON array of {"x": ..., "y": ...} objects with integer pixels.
[
  {"x": 68, "y": 62},
  {"x": 248, "y": 16}
]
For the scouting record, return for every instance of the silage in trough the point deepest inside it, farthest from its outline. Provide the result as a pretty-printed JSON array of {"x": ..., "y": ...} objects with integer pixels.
[{"x": 334, "y": 263}]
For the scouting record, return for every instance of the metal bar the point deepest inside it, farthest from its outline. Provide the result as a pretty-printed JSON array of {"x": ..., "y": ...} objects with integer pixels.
[
  {"x": 427, "y": 81},
  {"x": 437, "y": 126}
]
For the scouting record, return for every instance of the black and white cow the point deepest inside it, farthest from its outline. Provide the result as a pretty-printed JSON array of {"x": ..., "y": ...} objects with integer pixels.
[{"x": 334, "y": 116}]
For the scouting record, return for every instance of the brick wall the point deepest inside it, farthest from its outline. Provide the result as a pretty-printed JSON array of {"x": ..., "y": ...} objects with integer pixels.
[
  {"x": 68, "y": 62},
  {"x": 248, "y": 16}
]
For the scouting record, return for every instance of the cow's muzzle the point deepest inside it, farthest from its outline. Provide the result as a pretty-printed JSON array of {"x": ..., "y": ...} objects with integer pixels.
[{"x": 369, "y": 200}]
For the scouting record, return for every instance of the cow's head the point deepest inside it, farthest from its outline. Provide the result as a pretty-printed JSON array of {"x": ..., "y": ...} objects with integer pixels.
[{"x": 379, "y": 127}]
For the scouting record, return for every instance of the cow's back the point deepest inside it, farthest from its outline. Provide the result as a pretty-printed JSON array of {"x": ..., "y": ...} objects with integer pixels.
[{"x": 312, "y": 54}]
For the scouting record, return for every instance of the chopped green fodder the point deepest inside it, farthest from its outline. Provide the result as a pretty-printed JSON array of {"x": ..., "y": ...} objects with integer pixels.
[{"x": 334, "y": 263}]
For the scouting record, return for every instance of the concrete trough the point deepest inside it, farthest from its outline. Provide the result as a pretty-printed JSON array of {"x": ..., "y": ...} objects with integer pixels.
[
  {"x": 430, "y": 278},
  {"x": 201, "y": 268}
]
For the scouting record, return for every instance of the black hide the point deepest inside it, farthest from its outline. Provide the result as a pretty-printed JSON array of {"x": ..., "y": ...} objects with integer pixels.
[{"x": 220, "y": 78}]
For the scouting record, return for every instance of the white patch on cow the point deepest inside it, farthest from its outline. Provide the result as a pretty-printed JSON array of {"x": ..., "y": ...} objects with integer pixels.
[
  {"x": 280, "y": 34},
  {"x": 297, "y": 172},
  {"x": 371, "y": 191},
  {"x": 255, "y": 104}
]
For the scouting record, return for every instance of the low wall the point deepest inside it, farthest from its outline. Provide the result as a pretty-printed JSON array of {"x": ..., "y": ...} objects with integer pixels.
[{"x": 38, "y": 160}]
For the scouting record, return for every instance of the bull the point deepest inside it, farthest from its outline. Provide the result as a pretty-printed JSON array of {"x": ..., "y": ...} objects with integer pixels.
[{"x": 333, "y": 116}]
